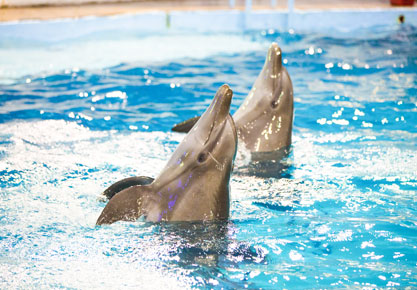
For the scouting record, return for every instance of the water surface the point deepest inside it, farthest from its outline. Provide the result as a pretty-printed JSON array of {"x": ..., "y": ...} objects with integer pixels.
[{"x": 342, "y": 215}]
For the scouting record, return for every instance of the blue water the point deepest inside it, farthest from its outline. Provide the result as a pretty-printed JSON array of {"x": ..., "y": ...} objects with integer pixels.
[{"x": 342, "y": 215}]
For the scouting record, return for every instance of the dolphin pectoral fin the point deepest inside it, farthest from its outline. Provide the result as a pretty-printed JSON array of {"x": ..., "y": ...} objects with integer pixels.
[
  {"x": 185, "y": 127},
  {"x": 126, "y": 183},
  {"x": 126, "y": 205}
]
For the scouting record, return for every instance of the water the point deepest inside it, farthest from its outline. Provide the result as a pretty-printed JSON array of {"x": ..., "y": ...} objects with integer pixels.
[{"x": 343, "y": 214}]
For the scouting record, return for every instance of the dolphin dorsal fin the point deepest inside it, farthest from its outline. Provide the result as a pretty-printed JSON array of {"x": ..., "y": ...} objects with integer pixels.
[
  {"x": 185, "y": 126},
  {"x": 126, "y": 183}
]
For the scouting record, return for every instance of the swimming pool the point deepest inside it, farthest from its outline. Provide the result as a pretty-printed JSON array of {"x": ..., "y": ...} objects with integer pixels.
[{"x": 99, "y": 107}]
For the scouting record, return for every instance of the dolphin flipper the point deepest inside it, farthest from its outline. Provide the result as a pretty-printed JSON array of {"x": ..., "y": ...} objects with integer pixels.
[
  {"x": 126, "y": 183},
  {"x": 185, "y": 127},
  {"x": 126, "y": 205}
]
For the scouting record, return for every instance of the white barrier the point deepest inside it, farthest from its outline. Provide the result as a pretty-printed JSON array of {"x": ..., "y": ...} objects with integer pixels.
[{"x": 54, "y": 2}]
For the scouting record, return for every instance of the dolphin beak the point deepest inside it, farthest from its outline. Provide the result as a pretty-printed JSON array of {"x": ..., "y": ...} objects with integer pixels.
[
  {"x": 273, "y": 60},
  {"x": 221, "y": 103},
  {"x": 205, "y": 130},
  {"x": 217, "y": 112}
]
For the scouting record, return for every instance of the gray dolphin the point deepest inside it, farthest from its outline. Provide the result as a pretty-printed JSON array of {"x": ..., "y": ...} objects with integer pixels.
[
  {"x": 194, "y": 185},
  {"x": 264, "y": 120}
]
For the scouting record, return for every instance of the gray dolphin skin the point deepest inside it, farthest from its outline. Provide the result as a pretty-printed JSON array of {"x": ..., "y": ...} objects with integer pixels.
[
  {"x": 264, "y": 120},
  {"x": 194, "y": 185}
]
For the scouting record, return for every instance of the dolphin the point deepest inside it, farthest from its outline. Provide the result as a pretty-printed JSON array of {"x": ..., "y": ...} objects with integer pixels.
[
  {"x": 194, "y": 185},
  {"x": 264, "y": 119}
]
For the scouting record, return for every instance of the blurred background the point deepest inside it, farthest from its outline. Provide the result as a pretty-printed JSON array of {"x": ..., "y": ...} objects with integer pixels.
[{"x": 45, "y": 9}]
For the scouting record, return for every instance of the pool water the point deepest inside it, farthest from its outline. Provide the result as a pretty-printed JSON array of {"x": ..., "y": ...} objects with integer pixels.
[{"x": 76, "y": 116}]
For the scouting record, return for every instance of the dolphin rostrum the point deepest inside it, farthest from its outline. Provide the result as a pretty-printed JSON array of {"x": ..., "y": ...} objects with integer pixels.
[
  {"x": 264, "y": 120},
  {"x": 194, "y": 185}
]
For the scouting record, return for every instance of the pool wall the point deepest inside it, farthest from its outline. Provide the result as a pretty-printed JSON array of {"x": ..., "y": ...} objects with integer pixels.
[
  {"x": 15, "y": 3},
  {"x": 211, "y": 21}
]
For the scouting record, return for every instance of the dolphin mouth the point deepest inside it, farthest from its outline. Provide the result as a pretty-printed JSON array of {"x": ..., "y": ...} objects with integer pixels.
[
  {"x": 234, "y": 129},
  {"x": 209, "y": 128},
  {"x": 218, "y": 111},
  {"x": 233, "y": 125}
]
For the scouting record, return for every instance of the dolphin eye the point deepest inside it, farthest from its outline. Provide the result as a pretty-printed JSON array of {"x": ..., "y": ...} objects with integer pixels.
[
  {"x": 202, "y": 157},
  {"x": 274, "y": 104}
]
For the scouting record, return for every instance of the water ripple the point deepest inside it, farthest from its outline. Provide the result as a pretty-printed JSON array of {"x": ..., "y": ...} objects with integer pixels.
[{"x": 343, "y": 215}]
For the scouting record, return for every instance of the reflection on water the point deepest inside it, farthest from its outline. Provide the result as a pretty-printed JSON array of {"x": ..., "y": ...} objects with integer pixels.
[{"x": 342, "y": 213}]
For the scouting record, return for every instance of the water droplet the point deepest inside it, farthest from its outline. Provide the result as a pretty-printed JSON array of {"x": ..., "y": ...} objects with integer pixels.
[
  {"x": 359, "y": 113},
  {"x": 367, "y": 125},
  {"x": 322, "y": 121},
  {"x": 346, "y": 66},
  {"x": 329, "y": 65}
]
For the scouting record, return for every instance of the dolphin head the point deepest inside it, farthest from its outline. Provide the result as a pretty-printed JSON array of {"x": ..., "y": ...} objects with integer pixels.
[
  {"x": 194, "y": 185},
  {"x": 264, "y": 120}
]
